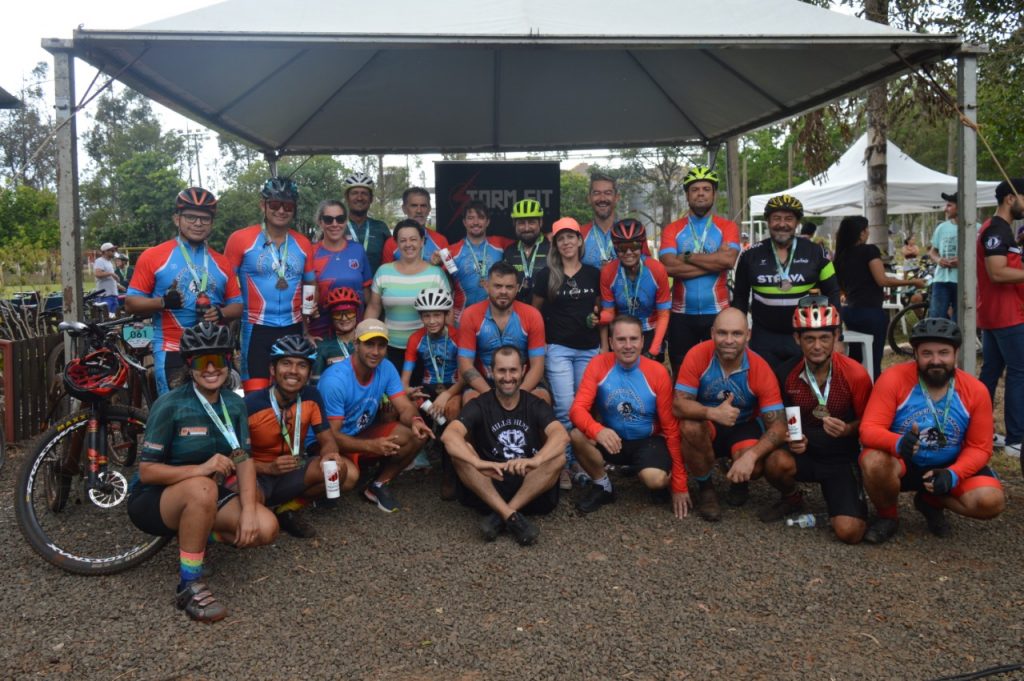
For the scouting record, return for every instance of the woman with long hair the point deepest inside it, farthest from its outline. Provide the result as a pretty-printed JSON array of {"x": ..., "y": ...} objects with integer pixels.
[
  {"x": 337, "y": 262},
  {"x": 862, "y": 277},
  {"x": 567, "y": 293}
]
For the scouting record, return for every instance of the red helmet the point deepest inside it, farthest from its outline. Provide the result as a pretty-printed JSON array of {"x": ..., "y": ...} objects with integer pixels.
[
  {"x": 815, "y": 313},
  {"x": 628, "y": 230},
  {"x": 98, "y": 374},
  {"x": 196, "y": 198},
  {"x": 342, "y": 297}
]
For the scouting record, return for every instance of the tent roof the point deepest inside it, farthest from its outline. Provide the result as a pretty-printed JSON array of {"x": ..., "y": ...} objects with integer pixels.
[
  {"x": 8, "y": 101},
  {"x": 334, "y": 76},
  {"x": 912, "y": 187}
]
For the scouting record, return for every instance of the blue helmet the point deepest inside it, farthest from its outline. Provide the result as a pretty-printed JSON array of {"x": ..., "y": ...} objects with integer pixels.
[{"x": 294, "y": 345}]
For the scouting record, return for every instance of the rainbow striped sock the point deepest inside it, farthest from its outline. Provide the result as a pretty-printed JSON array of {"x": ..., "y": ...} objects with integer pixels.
[
  {"x": 294, "y": 505},
  {"x": 190, "y": 567}
]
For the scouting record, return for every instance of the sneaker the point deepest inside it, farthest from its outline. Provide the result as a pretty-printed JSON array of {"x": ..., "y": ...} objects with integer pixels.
[
  {"x": 595, "y": 498},
  {"x": 707, "y": 505},
  {"x": 294, "y": 524},
  {"x": 881, "y": 530},
  {"x": 381, "y": 495},
  {"x": 780, "y": 509},
  {"x": 491, "y": 526},
  {"x": 420, "y": 463},
  {"x": 935, "y": 517},
  {"x": 998, "y": 441},
  {"x": 738, "y": 494},
  {"x": 1012, "y": 451},
  {"x": 524, "y": 531},
  {"x": 565, "y": 480}
]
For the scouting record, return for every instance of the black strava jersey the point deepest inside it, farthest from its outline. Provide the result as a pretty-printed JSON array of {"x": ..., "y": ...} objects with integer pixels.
[{"x": 758, "y": 275}]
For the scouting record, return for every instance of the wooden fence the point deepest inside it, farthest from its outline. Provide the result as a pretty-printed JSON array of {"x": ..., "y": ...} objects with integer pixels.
[{"x": 26, "y": 385}]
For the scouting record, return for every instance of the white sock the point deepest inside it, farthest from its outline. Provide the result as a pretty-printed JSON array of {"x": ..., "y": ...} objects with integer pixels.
[{"x": 604, "y": 482}]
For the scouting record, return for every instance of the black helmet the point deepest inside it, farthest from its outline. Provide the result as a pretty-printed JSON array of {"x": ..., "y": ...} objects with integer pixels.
[
  {"x": 280, "y": 189},
  {"x": 294, "y": 345},
  {"x": 936, "y": 329},
  {"x": 205, "y": 337},
  {"x": 196, "y": 198},
  {"x": 628, "y": 230}
]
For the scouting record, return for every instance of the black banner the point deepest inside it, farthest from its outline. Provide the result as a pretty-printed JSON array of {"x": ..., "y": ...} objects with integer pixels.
[{"x": 498, "y": 184}]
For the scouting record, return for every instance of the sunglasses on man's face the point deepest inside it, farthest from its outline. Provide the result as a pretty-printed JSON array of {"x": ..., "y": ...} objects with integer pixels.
[
  {"x": 627, "y": 247},
  {"x": 200, "y": 362},
  {"x": 286, "y": 206},
  {"x": 333, "y": 219}
]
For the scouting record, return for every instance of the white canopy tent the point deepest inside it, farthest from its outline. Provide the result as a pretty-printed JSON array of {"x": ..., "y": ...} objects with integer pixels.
[{"x": 839, "y": 191}]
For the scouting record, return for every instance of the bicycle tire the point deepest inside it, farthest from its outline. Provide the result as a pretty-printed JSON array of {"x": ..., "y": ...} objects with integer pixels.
[
  {"x": 60, "y": 523},
  {"x": 908, "y": 316}
]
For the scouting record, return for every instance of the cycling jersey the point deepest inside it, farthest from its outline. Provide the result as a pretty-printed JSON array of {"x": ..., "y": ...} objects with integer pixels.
[
  {"x": 162, "y": 266},
  {"x": 474, "y": 262},
  {"x": 898, "y": 401},
  {"x": 708, "y": 293},
  {"x": 253, "y": 257},
  {"x": 529, "y": 265},
  {"x": 753, "y": 386},
  {"x": 329, "y": 351},
  {"x": 642, "y": 297},
  {"x": 999, "y": 305},
  {"x": 635, "y": 402},
  {"x": 438, "y": 358},
  {"x": 433, "y": 242},
  {"x": 180, "y": 433},
  {"x": 265, "y": 428},
  {"x": 371, "y": 235},
  {"x": 352, "y": 403},
  {"x": 848, "y": 392},
  {"x": 479, "y": 335},
  {"x": 758, "y": 271},
  {"x": 398, "y": 294},
  {"x": 336, "y": 269},
  {"x": 598, "y": 249}
]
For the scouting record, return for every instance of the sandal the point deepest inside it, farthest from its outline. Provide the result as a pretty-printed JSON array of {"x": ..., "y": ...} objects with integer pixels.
[{"x": 199, "y": 603}]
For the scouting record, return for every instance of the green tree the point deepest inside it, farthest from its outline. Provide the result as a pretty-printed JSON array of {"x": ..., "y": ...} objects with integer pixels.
[
  {"x": 27, "y": 153},
  {"x": 573, "y": 188}
]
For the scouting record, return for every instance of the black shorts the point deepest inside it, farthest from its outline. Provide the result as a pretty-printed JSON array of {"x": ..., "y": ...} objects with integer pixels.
[
  {"x": 257, "y": 353},
  {"x": 840, "y": 481},
  {"x": 650, "y": 452},
  {"x": 144, "y": 508},
  {"x": 727, "y": 439},
  {"x": 278, "y": 489},
  {"x": 684, "y": 332},
  {"x": 775, "y": 348},
  {"x": 542, "y": 504}
]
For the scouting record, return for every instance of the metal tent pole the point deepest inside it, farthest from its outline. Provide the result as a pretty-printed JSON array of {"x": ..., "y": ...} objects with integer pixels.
[{"x": 967, "y": 186}]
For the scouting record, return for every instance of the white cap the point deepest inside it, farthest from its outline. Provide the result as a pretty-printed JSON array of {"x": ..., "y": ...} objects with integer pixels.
[{"x": 107, "y": 246}]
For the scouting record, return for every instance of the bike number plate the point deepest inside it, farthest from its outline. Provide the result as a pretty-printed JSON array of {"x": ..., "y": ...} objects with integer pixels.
[{"x": 138, "y": 335}]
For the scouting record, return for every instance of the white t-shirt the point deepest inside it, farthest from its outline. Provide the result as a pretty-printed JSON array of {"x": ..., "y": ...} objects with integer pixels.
[{"x": 107, "y": 284}]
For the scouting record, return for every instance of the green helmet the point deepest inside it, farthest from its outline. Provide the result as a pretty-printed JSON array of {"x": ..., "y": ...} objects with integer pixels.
[
  {"x": 527, "y": 208},
  {"x": 700, "y": 174},
  {"x": 784, "y": 202}
]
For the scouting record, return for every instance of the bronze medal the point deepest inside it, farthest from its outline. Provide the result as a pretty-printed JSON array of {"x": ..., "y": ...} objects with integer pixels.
[
  {"x": 820, "y": 412},
  {"x": 239, "y": 455},
  {"x": 785, "y": 285},
  {"x": 282, "y": 283}
]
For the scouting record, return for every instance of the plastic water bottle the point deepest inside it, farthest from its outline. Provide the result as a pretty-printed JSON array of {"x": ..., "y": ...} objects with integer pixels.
[{"x": 806, "y": 520}]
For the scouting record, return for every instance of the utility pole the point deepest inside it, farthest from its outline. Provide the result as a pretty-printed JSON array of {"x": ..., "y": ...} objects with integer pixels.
[{"x": 876, "y": 200}]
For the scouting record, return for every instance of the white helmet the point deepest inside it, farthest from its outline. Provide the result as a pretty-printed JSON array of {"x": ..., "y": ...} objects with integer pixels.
[
  {"x": 358, "y": 180},
  {"x": 431, "y": 299}
]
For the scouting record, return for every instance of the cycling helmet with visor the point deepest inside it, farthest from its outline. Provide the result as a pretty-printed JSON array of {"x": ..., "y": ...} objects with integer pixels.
[
  {"x": 700, "y": 174},
  {"x": 433, "y": 299}
]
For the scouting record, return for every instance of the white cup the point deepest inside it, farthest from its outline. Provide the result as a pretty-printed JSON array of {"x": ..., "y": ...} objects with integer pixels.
[
  {"x": 331, "y": 481},
  {"x": 425, "y": 408},
  {"x": 796, "y": 433},
  {"x": 308, "y": 299},
  {"x": 449, "y": 262}
]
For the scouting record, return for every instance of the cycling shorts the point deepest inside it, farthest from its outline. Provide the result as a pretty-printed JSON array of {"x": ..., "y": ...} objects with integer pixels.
[
  {"x": 257, "y": 340},
  {"x": 840, "y": 481},
  {"x": 729, "y": 440},
  {"x": 278, "y": 489},
  {"x": 371, "y": 432},
  {"x": 542, "y": 504},
  {"x": 650, "y": 452},
  {"x": 684, "y": 332},
  {"x": 911, "y": 480},
  {"x": 144, "y": 508}
]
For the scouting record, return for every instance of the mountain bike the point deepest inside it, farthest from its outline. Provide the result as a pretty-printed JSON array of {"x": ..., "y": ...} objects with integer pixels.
[{"x": 73, "y": 486}]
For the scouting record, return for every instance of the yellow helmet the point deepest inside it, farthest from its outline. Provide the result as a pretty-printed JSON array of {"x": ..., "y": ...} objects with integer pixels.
[
  {"x": 784, "y": 202},
  {"x": 700, "y": 174},
  {"x": 527, "y": 208}
]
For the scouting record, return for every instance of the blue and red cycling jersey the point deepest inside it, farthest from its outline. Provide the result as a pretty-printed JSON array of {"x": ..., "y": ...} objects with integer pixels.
[
  {"x": 897, "y": 402},
  {"x": 336, "y": 269},
  {"x": 253, "y": 257},
  {"x": 438, "y": 357},
  {"x": 474, "y": 262},
  {"x": 641, "y": 298},
  {"x": 598, "y": 249},
  {"x": 635, "y": 402},
  {"x": 753, "y": 386},
  {"x": 433, "y": 242},
  {"x": 708, "y": 293},
  {"x": 161, "y": 266},
  {"x": 352, "y": 403},
  {"x": 479, "y": 335}
]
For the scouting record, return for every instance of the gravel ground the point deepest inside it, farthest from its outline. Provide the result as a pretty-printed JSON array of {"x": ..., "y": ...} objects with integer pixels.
[{"x": 627, "y": 593}]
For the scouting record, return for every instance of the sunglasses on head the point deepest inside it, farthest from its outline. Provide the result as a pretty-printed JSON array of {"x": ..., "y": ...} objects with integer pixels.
[
  {"x": 333, "y": 219},
  {"x": 626, "y": 247},
  {"x": 200, "y": 362},
  {"x": 286, "y": 206},
  {"x": 813, "y": 301},
  {"x": 343, "y": 314}
]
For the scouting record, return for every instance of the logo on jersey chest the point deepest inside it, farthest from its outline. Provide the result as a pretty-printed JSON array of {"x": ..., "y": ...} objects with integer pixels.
[
  {"x": 189, "y": 431},
  {"x": 794, "y": 277},
  {"x": 353, "y": 264}
]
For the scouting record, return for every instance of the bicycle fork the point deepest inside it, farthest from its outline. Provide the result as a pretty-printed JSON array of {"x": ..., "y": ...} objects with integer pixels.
[{"x": 95, "y": 441}]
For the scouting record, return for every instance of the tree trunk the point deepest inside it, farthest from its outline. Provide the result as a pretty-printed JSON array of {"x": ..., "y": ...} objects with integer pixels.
[{"x": 875, "y": 196}]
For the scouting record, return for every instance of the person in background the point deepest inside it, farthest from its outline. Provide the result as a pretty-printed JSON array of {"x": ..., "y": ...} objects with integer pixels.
[
  {"x": 910, "y": 251},
  {"x": 338, "y": 262},
  {"x": 744, "y": 241},
  {"x": 106, "y": 276},
  {"x": 808, "y": 230},
  {"x": 416, "y": 206},
  {"x": 123, "y": 271},
  {"x": 368, "y": 232},
  {"x": 943, "y": 299},
  {"x": 861, "y": 275}
]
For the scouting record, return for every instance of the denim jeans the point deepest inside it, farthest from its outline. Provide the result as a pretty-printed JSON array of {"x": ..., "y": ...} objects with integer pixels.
[
  {"x": 873, "y": 321},
  {"x": 1004, "y": 349},
  {"x": 943, "y": 297},
  {"x": 564, "y": 368}
]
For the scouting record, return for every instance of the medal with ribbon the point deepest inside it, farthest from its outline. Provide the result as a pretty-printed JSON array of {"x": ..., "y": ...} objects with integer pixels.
[
  {"x": 200, "y": 282},
  {"x": 785, "y": 283},
  {"x": 632, "y": 301},
  {"x": 821, "y": 411},
  {"x": 280, "y": 258},
  {"x": 940, "y": 425},
  {"x": 294, "y": 444},
  {"x": 226, "y": 428},
  {"x": 698, "y": 246},
  {"x": 439, "y": 375}
]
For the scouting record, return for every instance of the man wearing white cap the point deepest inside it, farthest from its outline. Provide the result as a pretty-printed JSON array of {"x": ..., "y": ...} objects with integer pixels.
[
  {"x": 106, "y": 276},
  {"x": 351, "y": 391}
]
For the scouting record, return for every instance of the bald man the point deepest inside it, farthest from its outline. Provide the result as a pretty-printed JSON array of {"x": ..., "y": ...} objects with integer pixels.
[{"x": 728, "y": 402}]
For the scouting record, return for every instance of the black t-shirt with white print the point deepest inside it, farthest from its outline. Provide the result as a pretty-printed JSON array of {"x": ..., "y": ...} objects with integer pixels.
[{"x": 498, "y": 434}]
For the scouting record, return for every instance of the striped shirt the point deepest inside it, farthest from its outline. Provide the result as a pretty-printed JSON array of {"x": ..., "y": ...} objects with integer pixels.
[{"x": 397, "y": 292}]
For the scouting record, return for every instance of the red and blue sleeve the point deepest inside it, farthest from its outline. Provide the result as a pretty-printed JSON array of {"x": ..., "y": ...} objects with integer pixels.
[
  {"x": 234, "y": 250},
  {"x": 533, "y": 325},
  {"x": 663, "y": 297},
  {"x": 469, "y": 324},
  {"x": 143, "y": 281},
  {"x": 730, "y": 234},
  {"x": 876, "y": 423},
  {"x": 580, "y": 411},
  {"x": 412, "y": 350},
  {"x": 668, "y": 240},
  {"x": 308, "y": 273},
  {"x": 232, "y": 291},
  {"x": 661, "y": 383},
  {"x": 694, "y": 364},
  {"x": 977, "y": 445},
  {"x": 764, "y": 384}
]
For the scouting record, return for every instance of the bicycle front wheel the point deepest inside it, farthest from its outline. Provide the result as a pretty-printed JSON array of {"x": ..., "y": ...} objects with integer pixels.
[
  {"x": 86, "y": 532},
  {"x": 901, "y": 325}
]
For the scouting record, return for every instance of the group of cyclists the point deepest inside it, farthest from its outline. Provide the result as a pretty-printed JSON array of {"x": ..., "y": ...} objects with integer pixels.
[{"x": 531, "y": 362}]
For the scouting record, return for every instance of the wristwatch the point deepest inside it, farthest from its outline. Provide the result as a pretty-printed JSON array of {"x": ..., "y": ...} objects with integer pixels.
[{"x": 686, "y": 256}]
